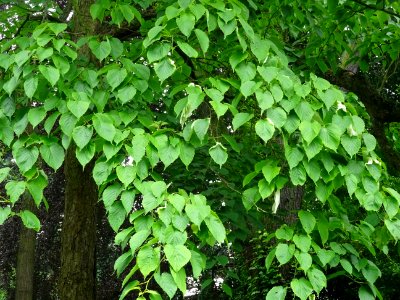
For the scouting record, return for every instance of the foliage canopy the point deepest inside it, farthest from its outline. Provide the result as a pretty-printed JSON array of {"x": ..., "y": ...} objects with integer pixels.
[{"x": 198, "y": 114}]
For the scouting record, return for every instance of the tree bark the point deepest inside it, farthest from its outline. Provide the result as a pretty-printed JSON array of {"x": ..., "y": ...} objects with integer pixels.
[
  {"x": 78, "y": 241},
  {"x": 26, "y": 257}
]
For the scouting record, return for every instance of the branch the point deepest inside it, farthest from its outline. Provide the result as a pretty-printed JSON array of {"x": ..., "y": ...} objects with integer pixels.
[{"x": 374, "y": 7}]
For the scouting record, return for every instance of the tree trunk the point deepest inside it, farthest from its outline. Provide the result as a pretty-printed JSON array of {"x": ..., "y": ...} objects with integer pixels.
[
  {"x": 26, "y": 257},
  {"x": 78, "y": 241}
]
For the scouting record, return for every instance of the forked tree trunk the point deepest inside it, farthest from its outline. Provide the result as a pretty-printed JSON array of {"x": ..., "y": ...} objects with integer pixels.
[
  {"x": 78, "y": 242},
  {"x": 26, "y": 257}
]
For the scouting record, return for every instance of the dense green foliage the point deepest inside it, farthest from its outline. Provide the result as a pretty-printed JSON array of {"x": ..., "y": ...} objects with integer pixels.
[{"x": 198, "y": 115}]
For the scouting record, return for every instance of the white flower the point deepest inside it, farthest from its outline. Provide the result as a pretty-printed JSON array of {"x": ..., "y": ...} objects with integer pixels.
[{"x": 341, "y": 106}]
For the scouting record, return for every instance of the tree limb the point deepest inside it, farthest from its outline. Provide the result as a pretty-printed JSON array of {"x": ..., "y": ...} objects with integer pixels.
[{"x": 374, "y": 7}]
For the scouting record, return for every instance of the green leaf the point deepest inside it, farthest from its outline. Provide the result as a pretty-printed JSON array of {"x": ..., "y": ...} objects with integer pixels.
[
  {"x": 164, "y": 69},
  {"x": 104, "y": 126},
  {"x": 26, "y": 158},
  {"x": 347, "y": 266},
  {"x": 115, "y": 77},
  {"x": 248, "y": 88},
  {"x": 198, "y": 262},
  {"x": 307, "y": 220},
  {"x": 101, "y": 171},
  {"x": 78, "y": 108},
  {"x": 177, "y": 255},
  {"x": 269, "y": 259},
  {"x": 298, "y": 175},
  {"x": 331, "y": 96},
  {"x": 82, "y": 135},
  {"x": 284, "y": 232},
  {"x": 177, "y": 201},
  {"x": 351, "y": 144},
  {"x": 240, "y": 119},
  {"x": 303, "y": 242},
  {"x": 30, "y": 220},
  {"x": 304, "y": 111},
  {"x": 265, "y": 189},
  {"x": 369, "y": 141},
  {"x": 197, "y": 212},
  {"x": 323, "y": 229},
  {"x": 100, "y": 50},
  {"x": 203, "y": 40},
  {"x": 276, "y": 92},
  {"x": 187, "y": 49},
  {"x": 317, "y": 279},
  {"x": 302, "y": 288},
  {"x": 371, "y": 272},
  {"x": 57, "y": 28},
  {"x": 365, "y": 293},
  {"x": 4, "y": 214},
  {"x": 186, "y": 23},
  {"x": 276, "y": 293},
  {"x": 139, "y": 142},
  {"x": 293, "y": 155},
  {"x": 50, "y": 73},
  {"x": 304, "y": 259},
  {"x": 200, "y": 127},
  {"x": 330, "y": 136},
  {"x": 394, "y": 228},
  {"x": 250, "y": 197},
  {"x": 169, "y": 154},
  {"x": 284, "y": 253},
  {"x": 86, "y": 154},
  {"x": 116, "y": 215},
  {"x": 167, "y": 283},
  {"x": 264, "y": 130},
  {"x": 127, "y": 199},
  {"x": 133, "y": 285},
  {"x": 138, "y": 239},
  {"x": 61, "y": 63},
  {"x": 264, "y": 100},
  {"x": 36, "y": 187},
  {"x": 122, "y": 262},
  {"x": 30, "y": 86},
  {"x": 219, "y": 108},
  {"x": 186, "y": 153},
  {"x": 270, "y": 171},
  {"x": 4, "y": 173},
  {"x": 126, "y": 174},
  {"x": 67, "y": 123},
  {"x": 21, "y": 57},
  {"x": 15, "y": 189},
  {"x": 10, "y": 85},
  {"x": 218, "y": 154},
  {"x": 158, "y": 51},
  {"x": 309, "y": 130},
  {"x": 126, "y": 94},
  {"x": 180, "y": 279},
  {"x": 216, "y": 227},
  {"x": 246, "y": 71},
  {"x": 277, "y": 116},
  {"x": 150, "y": 202},
  {"x": 325, "y": 256},
  {"x": 53, "y": 155},
  {"x": 36, "y": 115},
  {"x": 148, "y": 259}
]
